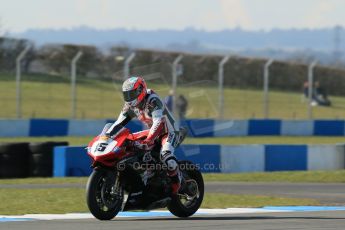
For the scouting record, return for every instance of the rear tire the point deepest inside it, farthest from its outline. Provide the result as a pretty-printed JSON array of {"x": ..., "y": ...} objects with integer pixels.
[
  {"x": 102, "y": 204},
  {"x": 176, "y": 207}
]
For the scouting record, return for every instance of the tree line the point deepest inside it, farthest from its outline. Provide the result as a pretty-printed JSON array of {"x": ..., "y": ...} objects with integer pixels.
[{"x": 239, "y": 72}]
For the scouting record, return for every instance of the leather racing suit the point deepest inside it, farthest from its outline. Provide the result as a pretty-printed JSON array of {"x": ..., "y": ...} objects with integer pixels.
[{"x": 155, "y": 115}]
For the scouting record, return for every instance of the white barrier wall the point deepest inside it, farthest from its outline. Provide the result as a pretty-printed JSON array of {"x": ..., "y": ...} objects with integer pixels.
[
  {"x": 297, "y": 128},
  {"x": 230, "y": 128},
  {"x": 85, "y": 127},
  {"x": 197, "y": 127},
  {"x": 14, "y": 128},
  {"x": 242, "y": 158},
  {"x": 326, "y": 157}
]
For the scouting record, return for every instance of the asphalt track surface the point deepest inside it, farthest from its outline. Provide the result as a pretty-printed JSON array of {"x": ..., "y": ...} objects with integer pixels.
[
  {"x": 325, "y": 193},
  {"x": 334, "y": 220}
]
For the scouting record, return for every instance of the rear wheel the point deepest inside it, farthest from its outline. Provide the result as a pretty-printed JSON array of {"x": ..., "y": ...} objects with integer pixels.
[
  {"x": 190, "y": 197},
  {"x": 104, "y": 194}
]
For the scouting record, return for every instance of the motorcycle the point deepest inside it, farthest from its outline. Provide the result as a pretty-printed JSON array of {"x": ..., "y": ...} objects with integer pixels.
[{"x": 127, "y": 178}]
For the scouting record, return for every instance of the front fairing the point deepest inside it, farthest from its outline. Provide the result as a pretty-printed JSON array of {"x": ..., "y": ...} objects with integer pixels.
[{"x": 108, "y": 151}]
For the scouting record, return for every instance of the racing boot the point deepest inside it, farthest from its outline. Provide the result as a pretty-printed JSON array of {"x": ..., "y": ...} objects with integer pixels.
[{"x": 175, "y": 177}]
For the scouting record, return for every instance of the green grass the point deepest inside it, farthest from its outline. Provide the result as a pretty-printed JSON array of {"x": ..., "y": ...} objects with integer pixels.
[
  {"x": 336, "y": 176},
  {"x": 47, "y": 180},
  {"x": 31, "y": 201},
  {"x": 83, "y": 141},
  {"x": 265, "y": 140},
  {"x": 64, "y": 200},
  {"x": 49, "y": 96},
  {"x": 67, "y": 200}
]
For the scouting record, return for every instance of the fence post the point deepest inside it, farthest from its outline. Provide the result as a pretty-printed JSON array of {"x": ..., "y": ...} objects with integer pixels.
[
  {"x": 221, "y": 86},
  {"x": 18, "y": 81},
  {"x": 174, "y": 82},
  {"x": 127, "y": 62},
  {"x": 266, "y": 87},
  {"x": 310, "y": 88},
  {"x": 73, "y": 83}
]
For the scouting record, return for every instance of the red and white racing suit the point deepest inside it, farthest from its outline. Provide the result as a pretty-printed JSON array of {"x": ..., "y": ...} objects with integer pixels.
[{"x": 155, "y": 115}]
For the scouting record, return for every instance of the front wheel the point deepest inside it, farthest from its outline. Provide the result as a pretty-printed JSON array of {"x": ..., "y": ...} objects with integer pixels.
[
  {"x": 104, "y": 194},
  {"x": 191, "y": 194}
]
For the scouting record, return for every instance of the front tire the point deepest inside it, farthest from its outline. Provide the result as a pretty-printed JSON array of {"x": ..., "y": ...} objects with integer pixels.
[
  {"x": 103, "y": 198},
  {"x": 185, "y": 209}
]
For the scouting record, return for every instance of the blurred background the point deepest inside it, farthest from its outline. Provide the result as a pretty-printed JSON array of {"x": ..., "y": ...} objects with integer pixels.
[{"x": 234, "y": 59}]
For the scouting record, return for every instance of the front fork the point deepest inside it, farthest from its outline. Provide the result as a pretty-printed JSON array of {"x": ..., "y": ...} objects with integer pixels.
[{"x": 117, "y": 190}]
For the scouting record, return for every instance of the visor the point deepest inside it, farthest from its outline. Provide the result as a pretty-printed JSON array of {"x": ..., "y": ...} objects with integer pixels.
[{"x": 131, "y": 95}]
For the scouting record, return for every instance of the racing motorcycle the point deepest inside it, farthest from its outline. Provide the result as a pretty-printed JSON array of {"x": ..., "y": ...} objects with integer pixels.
[{"x": 126, "y": 178}]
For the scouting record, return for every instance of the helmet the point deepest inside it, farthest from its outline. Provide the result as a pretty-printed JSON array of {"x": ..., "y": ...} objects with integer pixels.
[{"x": 134, "y": 90}]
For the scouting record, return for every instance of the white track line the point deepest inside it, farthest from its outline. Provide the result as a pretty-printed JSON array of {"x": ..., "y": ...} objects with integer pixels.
[
  {"x": 71, "y": 216},
  {"x": 162, "y": 213}
]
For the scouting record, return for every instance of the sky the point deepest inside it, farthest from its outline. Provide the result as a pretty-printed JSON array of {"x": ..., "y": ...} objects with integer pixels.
[{"x": 209, "y": 15}]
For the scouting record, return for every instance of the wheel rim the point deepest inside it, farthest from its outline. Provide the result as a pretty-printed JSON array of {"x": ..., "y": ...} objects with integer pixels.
[
  {"x": 107, "y": 196},
  {"x": 190, "y": 195}
]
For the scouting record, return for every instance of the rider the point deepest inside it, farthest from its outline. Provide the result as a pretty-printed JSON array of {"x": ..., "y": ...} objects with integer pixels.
[{"x": 146, "y": 105}]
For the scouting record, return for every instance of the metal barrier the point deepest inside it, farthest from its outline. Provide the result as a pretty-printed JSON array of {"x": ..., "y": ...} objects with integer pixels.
[{"x": 64, "y": 81}]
